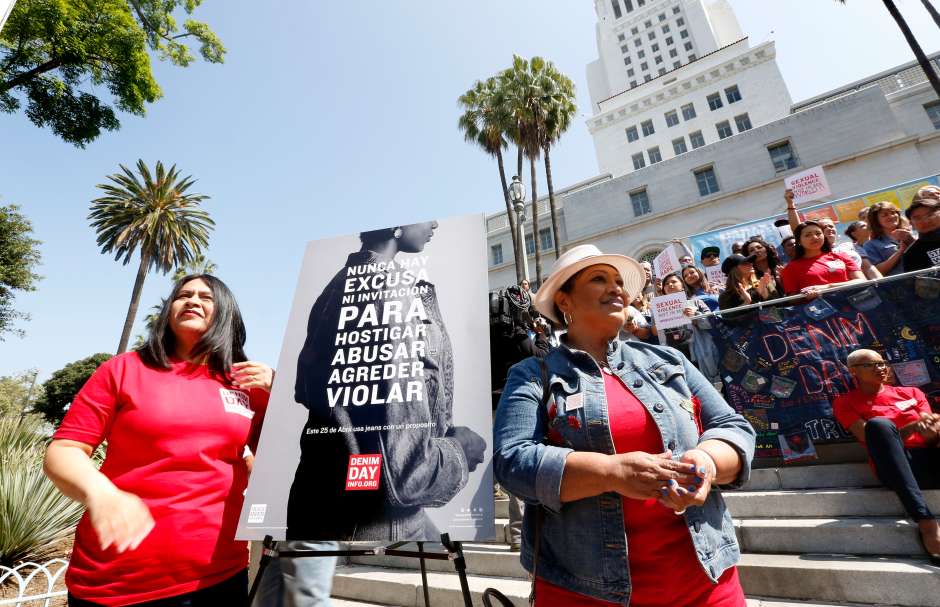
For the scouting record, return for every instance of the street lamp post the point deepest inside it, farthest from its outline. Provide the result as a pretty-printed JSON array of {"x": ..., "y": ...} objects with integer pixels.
[{"x": 517, "y": 195}]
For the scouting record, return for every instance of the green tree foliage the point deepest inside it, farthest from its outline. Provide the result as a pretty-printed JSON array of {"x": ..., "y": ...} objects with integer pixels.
[
  {"x": 18, "y": 393},
  {"x": 35, "y": 518},
  {"x": 64, "y": 384},
  {"x": 19, "y": 256},
  {"x": 56, "y": 54},
  {"x": 154, "y": 213}
]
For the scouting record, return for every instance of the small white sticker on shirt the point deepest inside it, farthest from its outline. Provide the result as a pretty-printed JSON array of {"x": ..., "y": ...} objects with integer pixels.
[
  {"x": 835, "y": 266},
  {"x": 904, "y": 405},
  {"x": 256, "y": 513},
  {"x": 236, "y": 402},
  {"x": 574, "y": 402}
]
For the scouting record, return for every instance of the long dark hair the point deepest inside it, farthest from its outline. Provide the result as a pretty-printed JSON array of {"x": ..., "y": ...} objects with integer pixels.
[
  {"x": 701, "y": 283},
  {"x": 798, "y": 232},
  {"x": 772, "y": 259},
  {"x": 874, "y": 222},
  {"x": 223, "y": 343}
]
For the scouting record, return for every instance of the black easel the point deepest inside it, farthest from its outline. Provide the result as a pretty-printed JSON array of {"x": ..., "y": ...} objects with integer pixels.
[{"x": 454, "y": 553}]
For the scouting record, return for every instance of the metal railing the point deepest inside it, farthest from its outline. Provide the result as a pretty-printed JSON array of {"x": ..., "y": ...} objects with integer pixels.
[{"x": 33, "y": 577}]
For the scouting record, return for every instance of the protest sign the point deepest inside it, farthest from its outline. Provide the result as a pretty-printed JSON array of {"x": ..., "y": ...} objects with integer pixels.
[
  {"x": 714, "y": 275},
  {"x": 666, "y": 262},
  {"x": 808, "y": 186},
  {"x": 669, "y": 310},
  {"x": 783, "y": 369},
  {"x": 378, "y": 427}
]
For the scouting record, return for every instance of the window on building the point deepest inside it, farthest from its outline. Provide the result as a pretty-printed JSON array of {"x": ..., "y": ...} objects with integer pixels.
[
  {"x": 629, "y": 5},
  {"x": 638, "y": 161},
  {"x": 688, "y": 111},
  {"x": 688, "y": 46},
  {"x": 624, "y": 49},
  {"x": 732, "y": 94},
  {"x": 666, "y": 29},
  {"x": 933, "y": 112},
  {"x": 630, "y": 73},
  {"x": 662, "y": 71},
  {"x": 655, "y": 47},
  {"x": 651, "y": 35},
  {"x": 647, "y": 126},
  {"x": 659, "y": 59},
  {"x": 621, "y": 37},
  {"x": 669, "y": 40},
  {"x": 496, "y": 254},
  {"x": 714, "y": 101},
  {"x": 692, "y": 57},
  {"x": 707, "y": 180},
  {"x": 743, "y": 122},
  {"x": 627, "y": 60},
  {"x": 641, "y": 203},
  {"x": 678, "y": 146},
  {"x": 632, "y": 134},
  {"x": 641, "y": 53},
  {"x": 672, "y": 118},
  {"x": 647, "y": 24},
  {"x": 676, "y": 64},
  {"x": 680, "y": 22},
  {"x": 673, "y": 53},
  {"x": 662, "y": 16},
  {"x": 617, "y": 13},
  {"x": 529, "y": 244},
  {"x": 641, "y": 2},
  {"x": 781, "y": 154},
  {"x": 644, "y": 65},
  {"x": 637, "y": 43},
  {"x": 647, "y": 77},
  {"x": 632, "y": 84},
  {"x": 675, "y": 10},
  {"x": 696, "y": 139},
  {"x": 545, "y": 239},
  {"x": 654, "y": 154},
  {"x": 724, "y": 129},
  {"x": 634, "y": 30}
]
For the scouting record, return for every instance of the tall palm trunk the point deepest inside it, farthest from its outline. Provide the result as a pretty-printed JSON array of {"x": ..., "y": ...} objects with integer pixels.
[
  {"x": 933, "y": 11},
  {"x": 510, "y": 215},
  {"x": 135, "y": 302},
  {"x": 551, "y": 201},
  {"x": 918, "y": 52},
  {"x": 535, "y": 224}
]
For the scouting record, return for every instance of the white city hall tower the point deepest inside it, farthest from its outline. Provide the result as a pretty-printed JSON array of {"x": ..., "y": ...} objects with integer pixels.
[{"x": 675, "y": 75}]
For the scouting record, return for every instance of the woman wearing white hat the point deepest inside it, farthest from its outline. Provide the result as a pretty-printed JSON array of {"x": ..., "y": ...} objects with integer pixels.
[{"x": 607, "y": 442}]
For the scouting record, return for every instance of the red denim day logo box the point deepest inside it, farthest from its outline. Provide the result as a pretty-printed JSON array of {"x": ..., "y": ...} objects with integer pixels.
[{"x": 364, "y": 472}]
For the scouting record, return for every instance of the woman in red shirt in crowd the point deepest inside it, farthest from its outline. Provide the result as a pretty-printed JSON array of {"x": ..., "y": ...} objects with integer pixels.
[
  {"x": 816, "y": 266},
  {"x": 159, "y": 525},
  {"x": 901, "y": 434}
]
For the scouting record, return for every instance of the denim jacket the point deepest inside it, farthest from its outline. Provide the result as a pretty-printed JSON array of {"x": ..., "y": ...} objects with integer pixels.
[{"x": 584, "y": 544}]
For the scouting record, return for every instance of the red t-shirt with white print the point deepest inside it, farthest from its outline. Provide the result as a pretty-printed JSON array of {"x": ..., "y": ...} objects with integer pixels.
[
  {"x": 176, "y": 439},
  {"x": 824, "y": 269},
  {"x": 902, "y": 405}
]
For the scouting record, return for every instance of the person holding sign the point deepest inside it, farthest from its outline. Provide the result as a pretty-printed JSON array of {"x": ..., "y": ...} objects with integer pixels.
[
  {"x": 376, "y": 373},
  {"x": 616, "y": 448},
  {"x": 177, "y": 414},
  {"x": 816, "y": 267},
  {"x": 901, "y": 434}
]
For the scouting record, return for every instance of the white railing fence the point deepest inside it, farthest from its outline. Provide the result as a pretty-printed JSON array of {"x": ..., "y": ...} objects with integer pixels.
[{"x": 33, "y": 578}]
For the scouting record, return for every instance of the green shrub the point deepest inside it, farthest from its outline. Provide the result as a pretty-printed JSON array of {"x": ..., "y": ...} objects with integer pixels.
[{"x": 35, "y": 518}]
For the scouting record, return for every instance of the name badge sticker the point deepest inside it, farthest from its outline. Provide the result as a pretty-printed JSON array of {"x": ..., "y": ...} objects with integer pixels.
[
  {"x": 835, "y": 266},
  {"x": 574, "y": 402},
  {"x": 904, "y": 405}
]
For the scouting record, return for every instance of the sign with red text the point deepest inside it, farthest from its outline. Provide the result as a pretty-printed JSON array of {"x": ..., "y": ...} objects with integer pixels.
[
  {"x": 374, "y": 429},
  {"x": 808, "y": 186},
  {"x": 669, "y": 310},
  {"x": 715, "y": 276},
  {"x": 666, "y": 262}
]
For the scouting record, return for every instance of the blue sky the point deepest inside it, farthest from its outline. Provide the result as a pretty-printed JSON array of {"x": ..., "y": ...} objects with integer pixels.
[{"x": 331, "y": 117}]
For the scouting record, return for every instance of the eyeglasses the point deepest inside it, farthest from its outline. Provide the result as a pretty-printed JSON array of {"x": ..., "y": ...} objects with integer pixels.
[
  {"x": 878, "y": 365},
  {"x": 709, "y": 255}
]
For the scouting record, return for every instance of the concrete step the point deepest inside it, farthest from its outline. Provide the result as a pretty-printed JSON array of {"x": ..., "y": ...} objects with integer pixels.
[
  {"x": 866, "y": 580},
  {"x": 856, "y": 536},
  {"x": 812, "y": 477},
  {"x": 791, "y": 581},
  {"x": 820, "y": 503},
  {"x": 502, "y": 508}
]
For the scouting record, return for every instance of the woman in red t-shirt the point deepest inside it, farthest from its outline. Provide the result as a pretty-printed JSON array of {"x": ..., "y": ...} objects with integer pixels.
[
  {"x": 816, "y": 267},
  {"x": 177, "y": 415}
]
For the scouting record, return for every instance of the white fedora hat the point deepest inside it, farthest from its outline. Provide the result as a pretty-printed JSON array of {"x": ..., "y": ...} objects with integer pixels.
[{"x": 580, "y": 257}]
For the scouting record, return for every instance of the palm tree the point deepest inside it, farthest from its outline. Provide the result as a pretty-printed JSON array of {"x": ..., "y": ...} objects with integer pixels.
[
  {"x": 912, "y": 41},
  {"x": 154, "y": 214},
  {"x": 484, "y": 122},
  {"x": 561, "y": 109},
  {"x": 199, "y": 264}
]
